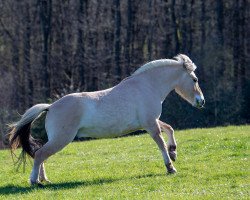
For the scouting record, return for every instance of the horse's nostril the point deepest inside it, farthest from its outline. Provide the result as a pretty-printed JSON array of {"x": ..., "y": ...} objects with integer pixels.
[{"x": 203, "y": 102}]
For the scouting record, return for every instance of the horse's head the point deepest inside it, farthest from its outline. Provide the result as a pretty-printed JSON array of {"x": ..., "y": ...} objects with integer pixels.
[{"x": 187, "y": 86}]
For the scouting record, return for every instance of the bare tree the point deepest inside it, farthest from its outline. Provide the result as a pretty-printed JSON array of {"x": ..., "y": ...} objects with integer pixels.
[
  {"x": 46, "y": 15},
  {"x": 117, "y": 39}
]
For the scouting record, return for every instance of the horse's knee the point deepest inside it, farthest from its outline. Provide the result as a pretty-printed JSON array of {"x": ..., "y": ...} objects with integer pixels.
[
  {"x": 155, "y": 135},
  {"x": 42, "y": 154},
  {"x": 158, "y": 138}
]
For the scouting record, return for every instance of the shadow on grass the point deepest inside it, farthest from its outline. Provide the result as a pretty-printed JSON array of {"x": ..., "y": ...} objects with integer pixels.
[{"x": 12, "y": 189}]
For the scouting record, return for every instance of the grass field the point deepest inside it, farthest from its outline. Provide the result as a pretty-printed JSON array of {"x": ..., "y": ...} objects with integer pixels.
[{"x": 212, "y": 163}]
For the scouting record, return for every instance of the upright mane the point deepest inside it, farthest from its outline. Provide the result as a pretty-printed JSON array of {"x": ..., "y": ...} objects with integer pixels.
[
  {"x": 178, "y": 60},
  {"x": 187, "y": 62}
]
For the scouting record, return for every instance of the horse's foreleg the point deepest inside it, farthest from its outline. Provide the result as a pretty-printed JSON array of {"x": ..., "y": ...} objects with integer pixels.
[
  {"x": 155, "y": 133},
  {"x": 42, "y": 174},
  {"x": 172, "y": 145}
]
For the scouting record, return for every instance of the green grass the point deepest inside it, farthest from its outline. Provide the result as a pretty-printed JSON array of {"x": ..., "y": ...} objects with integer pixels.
[{"x": 212, "y": 163}]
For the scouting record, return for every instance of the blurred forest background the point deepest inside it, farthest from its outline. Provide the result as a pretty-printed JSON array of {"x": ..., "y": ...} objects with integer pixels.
[{"x": 52, "y": 48}]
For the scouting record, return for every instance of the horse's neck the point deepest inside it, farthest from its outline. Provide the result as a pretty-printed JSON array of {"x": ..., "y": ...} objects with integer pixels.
[{"x": 163, "y": 80}]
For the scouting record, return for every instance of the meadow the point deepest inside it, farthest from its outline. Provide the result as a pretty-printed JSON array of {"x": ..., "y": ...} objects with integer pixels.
[{"x": 212, "y": 163}]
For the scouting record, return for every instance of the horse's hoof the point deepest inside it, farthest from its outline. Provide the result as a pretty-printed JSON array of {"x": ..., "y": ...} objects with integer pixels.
[
  {"x": 171, "y": 169},
  {"x": 46, "y": 181},
  {"x": 36, "y": 184}
]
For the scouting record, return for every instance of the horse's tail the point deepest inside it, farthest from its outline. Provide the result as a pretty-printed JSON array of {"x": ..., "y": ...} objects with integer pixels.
[{"x": 20, "y": 132}]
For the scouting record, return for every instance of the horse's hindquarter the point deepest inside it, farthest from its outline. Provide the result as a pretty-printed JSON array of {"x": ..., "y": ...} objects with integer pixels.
[{"x": 64, "y": 116}]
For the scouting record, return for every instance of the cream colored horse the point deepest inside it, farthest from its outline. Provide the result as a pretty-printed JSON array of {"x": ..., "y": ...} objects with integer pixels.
[{"x": 135, "y": 103}]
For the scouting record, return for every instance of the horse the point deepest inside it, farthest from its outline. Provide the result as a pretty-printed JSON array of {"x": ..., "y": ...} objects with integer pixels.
[{"x": 133, "y": 104}]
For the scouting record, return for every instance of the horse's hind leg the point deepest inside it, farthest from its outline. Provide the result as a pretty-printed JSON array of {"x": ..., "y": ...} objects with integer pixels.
[
  {"x": 171, "y": 139},
  {"x": 51, "y": 147},
  {"x": 42, "y": 174}
]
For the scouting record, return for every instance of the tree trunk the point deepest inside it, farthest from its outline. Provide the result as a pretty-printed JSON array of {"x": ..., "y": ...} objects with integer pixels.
[
  {"x": 220, "y": 34},
  {"x": 183, "y": 29},
  {"x": 220, "y": 21},
  {"x": 150, "y": 30},
  {"x": 46, "y": 15},
  {"x": 244, "y": 59},
  {"x": 175, "y": 27},
  {"x": 236, "y": 45},
  {"x": 28, "y": 75},
  {"x": 202, "y": 38},
  {"x": 16, "y": 70},
  {"x": 128, "y": 37},
  {"x": 190, "y": 45},
  {"x": 203, "y": 27},
  {"x": 167, "y": 43},
  {"x": 80, "y": 44},
  {"x": 117, "y": 39}
]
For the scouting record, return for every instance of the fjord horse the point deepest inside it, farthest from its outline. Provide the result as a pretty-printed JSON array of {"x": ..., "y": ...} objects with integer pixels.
[{"x": 135, "y": 103}]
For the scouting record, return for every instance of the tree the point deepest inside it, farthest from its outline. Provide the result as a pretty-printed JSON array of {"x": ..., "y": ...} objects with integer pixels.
[
  {"x": 27, "y": 70},
  {"x": 46, "y": 15},
  {"x": 117, "y": 39},
  {"x": 51, "y": 48},
  {"x": 80, "y": 44},
  {"x": 175, "y": 27}
]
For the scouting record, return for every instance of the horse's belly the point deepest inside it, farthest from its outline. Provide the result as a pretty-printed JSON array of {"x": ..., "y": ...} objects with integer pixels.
[{"x": 107, "y": 131}]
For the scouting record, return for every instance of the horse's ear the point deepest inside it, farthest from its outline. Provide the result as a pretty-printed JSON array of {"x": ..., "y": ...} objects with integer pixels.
[{"x": 177, "y": 57}]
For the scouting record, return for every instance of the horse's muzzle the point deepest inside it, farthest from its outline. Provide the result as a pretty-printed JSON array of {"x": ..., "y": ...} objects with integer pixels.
[{"x": 199, "y": 102}]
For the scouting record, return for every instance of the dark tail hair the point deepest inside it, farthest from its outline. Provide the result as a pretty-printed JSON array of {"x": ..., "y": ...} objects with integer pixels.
[{"x": 20, "y": 133}]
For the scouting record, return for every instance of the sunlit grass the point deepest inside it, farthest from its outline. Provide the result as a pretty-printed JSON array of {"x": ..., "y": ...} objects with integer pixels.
[{"x": 212, "y": 164}]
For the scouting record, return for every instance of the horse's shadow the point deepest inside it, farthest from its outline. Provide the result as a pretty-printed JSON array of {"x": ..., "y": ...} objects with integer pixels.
[{"x": 13, "y": 189}]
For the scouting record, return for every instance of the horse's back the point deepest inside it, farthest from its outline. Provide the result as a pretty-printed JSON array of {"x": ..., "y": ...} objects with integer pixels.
[{"x": 106, "y": 113}]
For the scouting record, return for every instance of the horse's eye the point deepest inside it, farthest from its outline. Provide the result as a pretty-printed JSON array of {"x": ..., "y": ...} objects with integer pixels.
[{"x": 195, "y": 80}]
